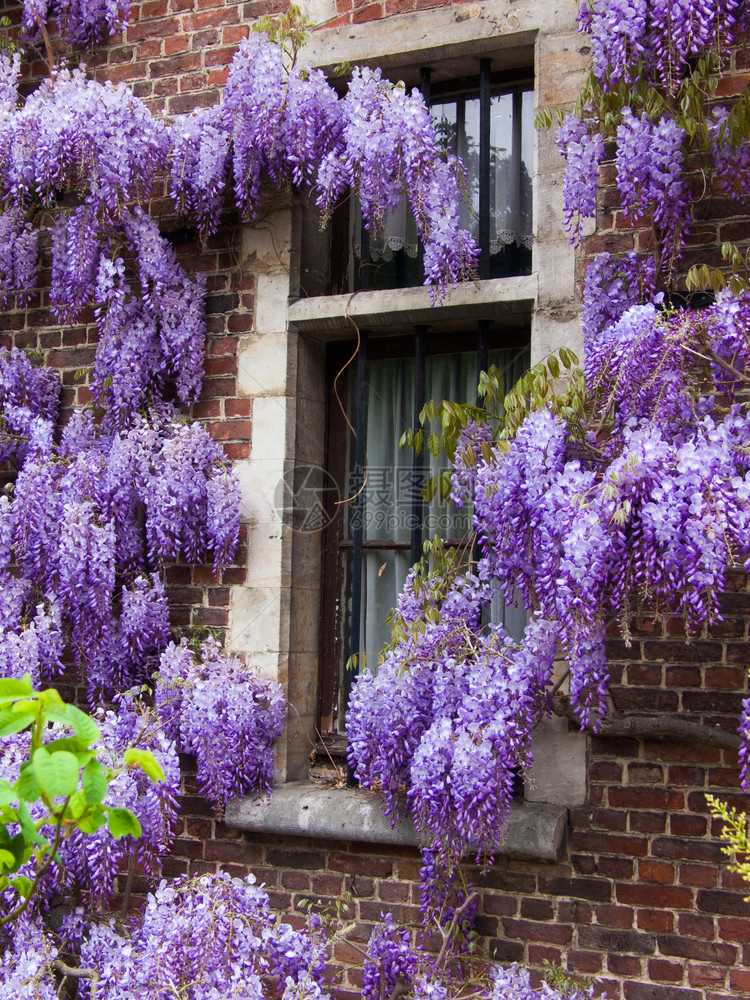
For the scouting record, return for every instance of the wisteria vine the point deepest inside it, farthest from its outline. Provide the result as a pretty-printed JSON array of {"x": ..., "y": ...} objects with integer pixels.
[
  {"x": 655, "y": 65},
  {"x": 625, "y": 493}
]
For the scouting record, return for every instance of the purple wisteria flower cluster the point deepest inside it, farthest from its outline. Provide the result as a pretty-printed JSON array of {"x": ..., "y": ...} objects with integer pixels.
[
  {"x": 82, "y": 23},
  {"x": 633, "y": 39},
  {"x": 290, "y": 127},
  {"x": 613, "y": 284},
  {"x": 654, "y": 62},
  {"x": 514, "y": 983},
  {"x": 89, "y": 863},
  {"x": 583, "y": 152},
  {"x": 29, "y": 397},
  {"x": 448, "y": 717},
  {"x": 636, "y": 500},
  {"x": 210, "y": 937},
  {"x": 30, "y": 947},
  {"x": 223, "y": 713},
  {"x": 88, "y": 520},
  {"x": 92, "y": 861}
]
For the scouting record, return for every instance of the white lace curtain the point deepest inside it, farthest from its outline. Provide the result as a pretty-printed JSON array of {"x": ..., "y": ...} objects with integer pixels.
[{"x": 511, "y": 151}]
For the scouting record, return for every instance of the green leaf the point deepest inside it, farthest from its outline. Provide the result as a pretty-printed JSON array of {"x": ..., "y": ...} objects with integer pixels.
[
  {"x": 123, "y": 823},
  {"x": 11, "y": 723},
  {"x": 76, "y": 807},
  {"x": 22, "y": 884},
  {"x": 83, "y": 725},
  {"x": 91, "y": 822},
  {"x": 7, "y": 794},
  {"x": 57, "y": 773},
  {"x": 12, "y": 689},
  {"x": 95, "y": 781},
  {"x": 71, "y": 743},
  {"x": 433, "y": 444},
  {"x": 28, "y": 829},
  {"x": 146, "y": 761},
  {"x": 27, "y": 786},
  {"x": 554, "y": 366},
  {"x": 7, "y": 860}
]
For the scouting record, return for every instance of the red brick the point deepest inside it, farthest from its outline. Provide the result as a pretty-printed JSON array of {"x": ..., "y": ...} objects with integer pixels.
[
  {"x": 527, "y": 930},
  {"x": 655, "y": 920},
  {"x": 587, "y": 962},
  {"x": 696, "y": 925},
  {"x": 666, "y": 972},
  {"x": 610, "y": 844},
  {"x": 707, "y": 975},
  {"x": 739, "y": 979},
  {"x": 650, "y": 870},
  {"x": 360, "y": 865},
  {"x": 668, "y": 896},
  {"x": 614, "y": 916},
  {"x": 731, "y": 929},
  {"x": 646, "y": 798}
]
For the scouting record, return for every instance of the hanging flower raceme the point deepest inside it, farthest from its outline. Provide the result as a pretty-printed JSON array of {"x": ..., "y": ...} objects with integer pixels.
[
  {"x": 650, "y": 173},
  {"x": 637, "y": 39},
  {"x": 290, "y": 127},
  {"x": 583, "y": 152},
  {"x": 82, "y": 23},
  {"x": 613, "y": 284},
  {"x": 448, "y": 718},
  {"x": 29, "y": 399},
  {"x": 224, "y": 713},
  {"x": 212, "y": 936}
]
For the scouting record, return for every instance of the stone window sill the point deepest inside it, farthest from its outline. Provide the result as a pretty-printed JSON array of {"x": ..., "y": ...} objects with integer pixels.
[
  {"x": 534, "y": 830},
  {"x": 505, "y": 298}
]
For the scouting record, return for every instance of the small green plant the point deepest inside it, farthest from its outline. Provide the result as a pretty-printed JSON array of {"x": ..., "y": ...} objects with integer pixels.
[
  {"x": 567, "y": 983},
  {"x": 61, "y": 780},
  {"x": 737, "y": 832}
]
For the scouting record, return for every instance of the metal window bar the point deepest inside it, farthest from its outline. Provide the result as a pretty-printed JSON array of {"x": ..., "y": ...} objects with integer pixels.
[
  {"x": 418, "y": 463},
  {"x": 358, "y": 517},
  {"x": 485, "y": 120}
]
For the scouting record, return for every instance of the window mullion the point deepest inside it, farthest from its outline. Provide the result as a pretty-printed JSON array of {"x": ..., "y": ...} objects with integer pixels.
[
  {"x": 418, "y": 461},
  {"x": 485, "y": 107},
  {"x": 358, "y": 511}
]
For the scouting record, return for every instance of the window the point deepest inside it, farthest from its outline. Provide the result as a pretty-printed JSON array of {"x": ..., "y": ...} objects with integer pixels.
[
  {"x": 487, "y": 120},
  {"x": 376, "y": 535}
]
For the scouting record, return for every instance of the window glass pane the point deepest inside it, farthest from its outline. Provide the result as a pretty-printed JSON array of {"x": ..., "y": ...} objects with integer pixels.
[
  {"x": 392, "y": 254},
  {"x": 391, "y": 488},
  {"x": 383, "y": 574}
]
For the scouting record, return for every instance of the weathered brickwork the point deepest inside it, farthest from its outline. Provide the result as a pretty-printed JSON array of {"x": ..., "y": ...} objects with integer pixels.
[{"x": 642, "y": 899}]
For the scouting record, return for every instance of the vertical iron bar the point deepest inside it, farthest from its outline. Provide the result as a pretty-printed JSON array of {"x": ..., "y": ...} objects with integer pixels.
[
  {"x": 418, "y": 461},
  {"x": 515, "y": 162},
  {"x": 485, "y": 108},
  {"x": 358, "y": 517}
]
